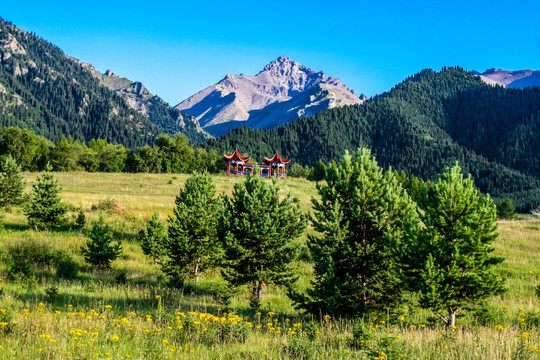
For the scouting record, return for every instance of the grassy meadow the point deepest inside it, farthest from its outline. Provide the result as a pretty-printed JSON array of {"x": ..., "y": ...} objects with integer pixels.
[{"x": 129, "y": 312}]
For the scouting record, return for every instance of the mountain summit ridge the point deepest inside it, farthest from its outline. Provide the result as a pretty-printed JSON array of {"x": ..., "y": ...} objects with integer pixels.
[
  {"x": 511, "y": 79},
  {"x": 283, "y": 91}
]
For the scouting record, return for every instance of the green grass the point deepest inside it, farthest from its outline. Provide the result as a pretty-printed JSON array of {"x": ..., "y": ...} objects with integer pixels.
[{"x": 99, "y": 302}]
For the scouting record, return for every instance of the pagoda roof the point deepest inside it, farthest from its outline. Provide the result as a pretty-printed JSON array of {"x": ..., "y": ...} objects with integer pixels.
[
  {"x": 236, "y": 156},
  {"x": 276, "y": 159}
]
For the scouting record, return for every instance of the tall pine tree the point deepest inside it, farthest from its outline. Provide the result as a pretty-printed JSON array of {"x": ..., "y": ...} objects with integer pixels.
[
  {"x": 193, "y": 247},
  {"x": 257, "y": 229},
  {"x": 454, "y": 253},
  {"x": 364, "y": 218}
]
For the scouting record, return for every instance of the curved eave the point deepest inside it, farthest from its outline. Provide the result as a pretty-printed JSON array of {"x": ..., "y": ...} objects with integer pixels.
[{"x": 236, "y": 156}]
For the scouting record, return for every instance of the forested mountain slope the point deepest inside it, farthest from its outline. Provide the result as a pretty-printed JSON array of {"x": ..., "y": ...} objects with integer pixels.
[
  {"x": 52, "y": 94},
  {"x": 422, "y": 125}
]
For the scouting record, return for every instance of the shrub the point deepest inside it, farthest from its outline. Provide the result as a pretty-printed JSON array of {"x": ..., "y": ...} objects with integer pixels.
[
  {"x": 100, "y": 249},
  {"x": 66, "y": 267},
  {"x": 44, "y": 209},
  {"x": 51, "y": 293},
  {"x": 108, "y": 205},
  {"x": 35, "y": 252}
]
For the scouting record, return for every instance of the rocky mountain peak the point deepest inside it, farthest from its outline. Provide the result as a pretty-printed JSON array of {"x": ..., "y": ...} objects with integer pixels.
[
  {"x": 109, "y": 73},
  {"x": 283, "y": 91}
]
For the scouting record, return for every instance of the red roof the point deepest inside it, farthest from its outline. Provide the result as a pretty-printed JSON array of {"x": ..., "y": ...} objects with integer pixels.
[
  {"x": 236, "y": 156},
  {"x": 276, "y": 159}
]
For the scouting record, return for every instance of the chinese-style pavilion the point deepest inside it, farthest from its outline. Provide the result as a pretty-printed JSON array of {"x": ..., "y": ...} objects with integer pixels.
[
  {"x": 240, "y": 163},
  {"x": 275, "y": 166}
]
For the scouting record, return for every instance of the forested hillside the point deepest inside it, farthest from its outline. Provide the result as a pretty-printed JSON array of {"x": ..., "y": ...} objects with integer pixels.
[
  {"x": 54, "y": 95},
  {"x": 422, "y": 125}
]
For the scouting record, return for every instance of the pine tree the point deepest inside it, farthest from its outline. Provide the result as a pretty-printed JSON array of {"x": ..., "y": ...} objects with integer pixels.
[
  {"x": 11, "y": 183},
  {"x": 192, "y": 246},
  {"x": 364, "y": 219},
  {"x": 44, "y": 208},
  {"x": 101, "y": 249},
  {"x": 257, "y": 229},
  {"x": 506, "y": 209},
  {"x": 318, "y": 171},
  {"x": 154, "y": 239},
  {"x": 454, "y": 251}
]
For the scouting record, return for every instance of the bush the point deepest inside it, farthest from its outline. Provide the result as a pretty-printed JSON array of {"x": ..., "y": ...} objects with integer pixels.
[
  {"x": 51, "y": 294},
  {"x": 66, "y": 267},
  {"x": 108, "y": 205},
  {"x": 37, "y": 253},
  {"x": 100, "y": 249}
]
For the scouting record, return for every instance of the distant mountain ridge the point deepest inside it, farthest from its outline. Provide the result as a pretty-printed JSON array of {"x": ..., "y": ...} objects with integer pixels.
[
  {"x": 511, "y": 79},
  {"x": 283, "y": 91}
]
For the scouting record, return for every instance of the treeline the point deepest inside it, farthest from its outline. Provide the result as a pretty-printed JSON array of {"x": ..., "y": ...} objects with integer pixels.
[
  {"x": 424, "y": 124},
  {"x": 168, "y": 154}
]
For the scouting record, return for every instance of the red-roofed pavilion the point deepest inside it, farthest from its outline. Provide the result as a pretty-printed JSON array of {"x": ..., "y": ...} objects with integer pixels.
[
  {"x": 276, "y": 165},
  {"x": 240, "y": 161}
]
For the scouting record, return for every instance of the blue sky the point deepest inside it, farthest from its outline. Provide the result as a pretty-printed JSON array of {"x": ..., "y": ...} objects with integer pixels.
[{"x": 178, "y": 48}]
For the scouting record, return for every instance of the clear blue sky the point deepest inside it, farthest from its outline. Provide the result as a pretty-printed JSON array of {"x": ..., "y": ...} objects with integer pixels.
[{"x": 180, "y": 47}]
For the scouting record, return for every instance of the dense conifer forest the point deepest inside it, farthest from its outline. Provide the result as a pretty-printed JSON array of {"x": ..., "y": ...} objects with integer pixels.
[
  {"x": 422, "y": 125},
  {"x": 44, "y": 90}
]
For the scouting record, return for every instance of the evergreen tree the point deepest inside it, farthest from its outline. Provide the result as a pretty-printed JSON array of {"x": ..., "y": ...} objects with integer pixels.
[
  {"x": 11, "y": 183},
  {"x": 364, "y": 218},
  {"x": 101, "y": 249},
  {"x": 80, "y": 220},
  {"x": 44, "y": 208},
  {"x": 318, "y": 172},
  {"x": 257, "y": 229},
  {"x": 192, "y": 246},
  {"x": 454, "y": 251},
  {"x": 506, "y": 209},
  {"x": 154, "y": 239}
]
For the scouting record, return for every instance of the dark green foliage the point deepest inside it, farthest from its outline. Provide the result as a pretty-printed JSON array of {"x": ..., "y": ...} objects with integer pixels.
[
  {"x": 193, "y": 247},
  {"x": 66, "y": 267},
  {"x": 318, "y": 172},
  {"x": 454, "y": 253},
  {"x": 154, "y": 239},
  {"x": 54, "y": 95},
  {"x": 298, "y": 171},
  {"x": 11, "y": 183},
  {"x": 506, "y": 209},
  {"x": 24, "y": 257},
  {"x": 365, "y": 218},
  {"x": 101, "y": 248},
  {"x": 29, "y": 150},
  {"x": 51, "y": 293},
  {"x": 44, "y": 208},
  {"x": 257, "y": 229},
  {"x": 80, "y": 220},
  {"x": 421, "y": 126}
]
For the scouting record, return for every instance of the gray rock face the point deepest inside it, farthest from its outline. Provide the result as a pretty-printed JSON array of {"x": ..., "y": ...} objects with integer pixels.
[
  {"x": 511, "y": 79},
  {"x": 283, "y": 91}
]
